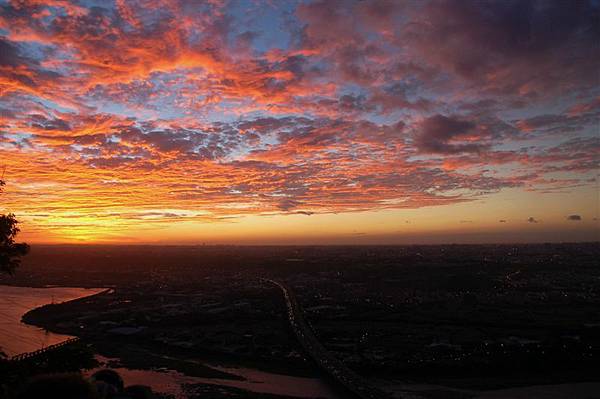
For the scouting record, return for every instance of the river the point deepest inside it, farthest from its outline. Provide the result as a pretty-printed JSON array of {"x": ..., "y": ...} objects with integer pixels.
[
  {"x": 17, "y": 337},
  {"x": 252, "y": 380}
]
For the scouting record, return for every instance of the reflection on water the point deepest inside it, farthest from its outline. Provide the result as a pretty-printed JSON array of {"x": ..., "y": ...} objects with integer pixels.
[
  {"x": 171, "y": 382},
  {"x": 260, "y": 381},
  {"x": 17, "y": 337}
]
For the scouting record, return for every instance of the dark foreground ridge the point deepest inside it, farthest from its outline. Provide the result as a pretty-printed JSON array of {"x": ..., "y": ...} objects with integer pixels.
[{"x": 332, "y": 366}]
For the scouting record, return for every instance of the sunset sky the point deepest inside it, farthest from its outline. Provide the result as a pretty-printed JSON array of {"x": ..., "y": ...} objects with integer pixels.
[{"x": 277, "y": 122}]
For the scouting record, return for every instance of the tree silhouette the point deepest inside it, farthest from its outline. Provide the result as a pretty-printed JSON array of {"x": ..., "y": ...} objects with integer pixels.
[{"x": 10, "y": 251}]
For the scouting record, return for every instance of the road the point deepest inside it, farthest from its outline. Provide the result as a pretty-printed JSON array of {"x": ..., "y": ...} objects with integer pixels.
[{"x": 334, "y": 367}]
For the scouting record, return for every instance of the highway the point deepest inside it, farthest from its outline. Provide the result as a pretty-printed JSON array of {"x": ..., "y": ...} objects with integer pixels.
[{"x": 328, "y": 363}]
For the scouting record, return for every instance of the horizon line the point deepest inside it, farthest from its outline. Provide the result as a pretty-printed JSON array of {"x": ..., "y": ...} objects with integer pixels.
[{"x": 316, "y": 245}]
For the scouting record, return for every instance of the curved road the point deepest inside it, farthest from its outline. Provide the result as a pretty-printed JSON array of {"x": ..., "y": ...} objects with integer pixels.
[{"x": 334, "y": 367}]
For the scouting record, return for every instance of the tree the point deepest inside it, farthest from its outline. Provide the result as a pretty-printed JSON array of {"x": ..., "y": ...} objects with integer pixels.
[{"x": 10, "y": 251}]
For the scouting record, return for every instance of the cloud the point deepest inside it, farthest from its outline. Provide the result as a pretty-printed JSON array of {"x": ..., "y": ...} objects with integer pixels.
[
  {"x": 565, "y": 123},
  {"x": 288, "y": 204},
  {"x": 532, "y": 220},
  {"x": 508, "y": 46},
  {"x": 11, "y": 54},
  {"x": 316, "y": 107},
  {"x": 574, "y": 218},
  {"x": 439, "y": 133}
]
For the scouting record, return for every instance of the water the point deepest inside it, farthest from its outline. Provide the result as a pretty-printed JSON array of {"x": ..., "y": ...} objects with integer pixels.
[
  {"x": 172, "y": 382},
  {"x": 17, "y": 337}
]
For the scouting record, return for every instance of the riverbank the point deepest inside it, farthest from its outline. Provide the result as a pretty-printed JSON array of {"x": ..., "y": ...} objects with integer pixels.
[
  {"x": 17, "y": 337},
  {"x": 129, "y": 349}
]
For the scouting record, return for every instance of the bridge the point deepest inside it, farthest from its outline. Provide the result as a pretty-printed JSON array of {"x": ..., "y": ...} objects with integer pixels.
[
  {"x": 329, "y": 364},
  {"x": 42, "y": 351}
]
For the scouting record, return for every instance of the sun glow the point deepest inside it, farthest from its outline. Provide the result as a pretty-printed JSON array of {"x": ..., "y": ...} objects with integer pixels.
[{"x": 226, "y": 126}]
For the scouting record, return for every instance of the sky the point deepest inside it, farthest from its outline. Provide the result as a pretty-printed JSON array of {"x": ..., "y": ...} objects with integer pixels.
[{"x": 300, "y": 122}]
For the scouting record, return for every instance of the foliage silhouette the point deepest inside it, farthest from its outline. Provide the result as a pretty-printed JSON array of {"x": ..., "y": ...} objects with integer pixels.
[{"x": 10, "y": 251}]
